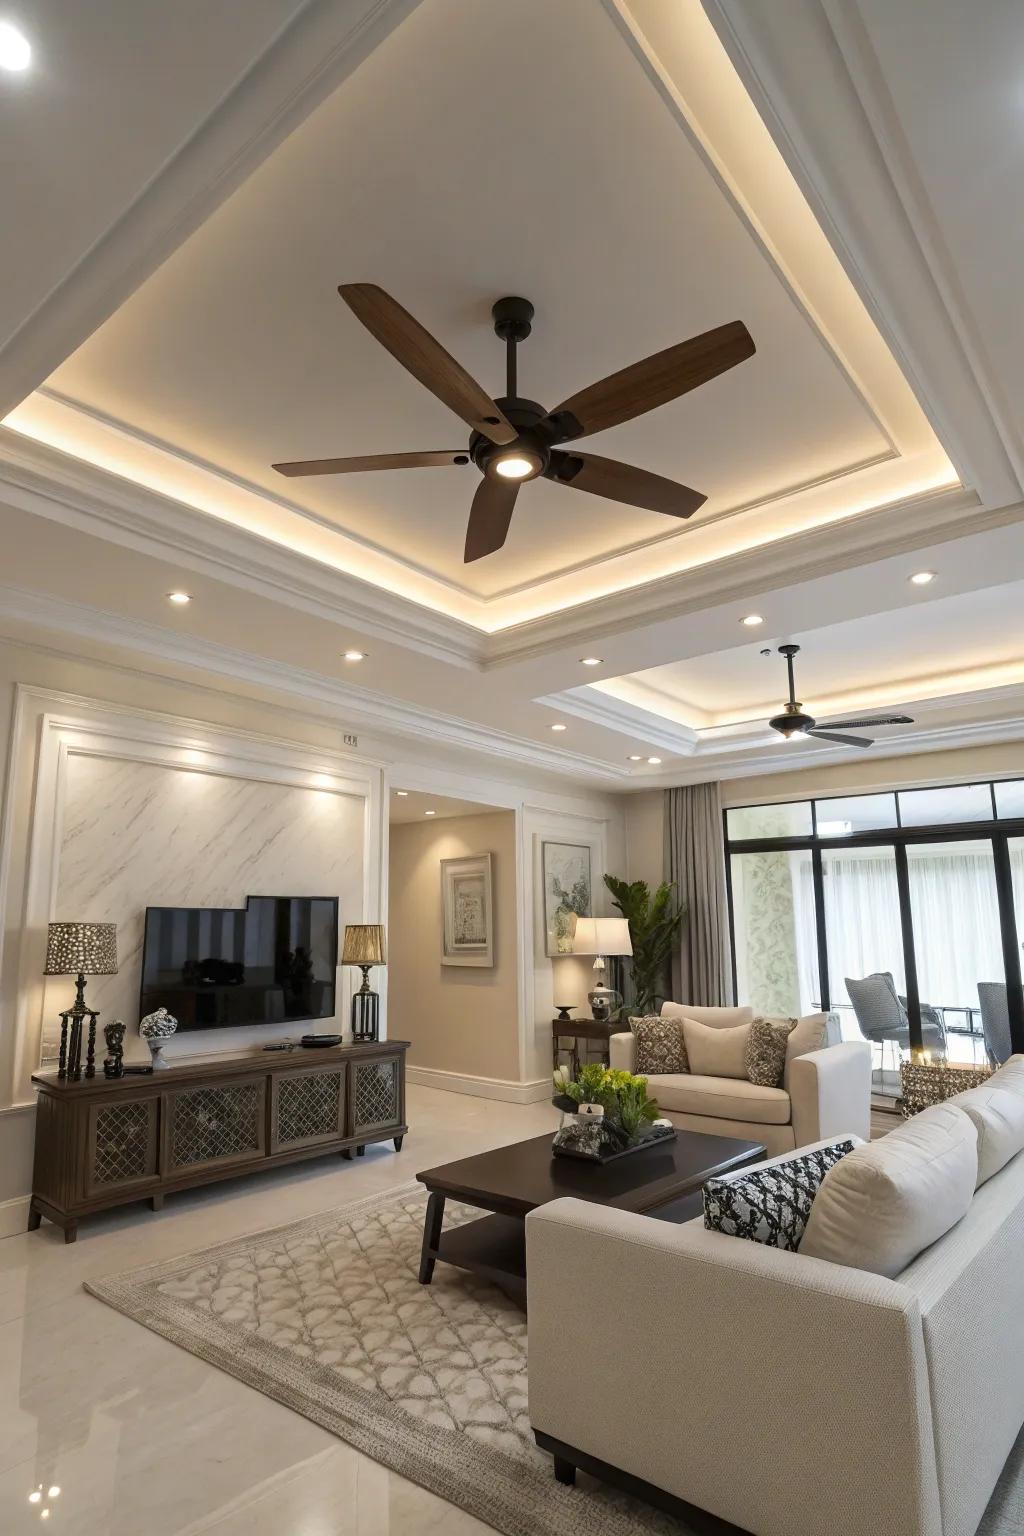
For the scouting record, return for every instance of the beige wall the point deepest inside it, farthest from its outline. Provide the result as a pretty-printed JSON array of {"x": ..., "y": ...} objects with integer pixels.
[
  {"x": 645, "y": 836},
  {"x": 460, "y": 1019},
  {"x": 959, "y": 766}
]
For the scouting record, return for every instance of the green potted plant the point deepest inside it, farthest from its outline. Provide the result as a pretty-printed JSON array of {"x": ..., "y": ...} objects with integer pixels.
[
  {"x": 611, "y": 1114},
  {"x": 654, "y": 923}
]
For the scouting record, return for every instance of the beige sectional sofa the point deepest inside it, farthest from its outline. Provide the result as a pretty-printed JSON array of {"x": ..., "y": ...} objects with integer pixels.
[
  {"x": 825, "y": 1092},
  {"x": 791, "y": 1395}
]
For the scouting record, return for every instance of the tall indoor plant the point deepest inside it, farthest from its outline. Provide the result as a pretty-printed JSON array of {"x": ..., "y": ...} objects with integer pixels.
[{"x": 654, "y": 923}]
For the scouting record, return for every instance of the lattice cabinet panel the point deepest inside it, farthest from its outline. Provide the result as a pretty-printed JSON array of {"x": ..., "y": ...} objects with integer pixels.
[
  {"x": 376, "y": 1100},
  {"x": 217, "y": 1124},
  {"x": 308, "y": 1107},
  {"x": 122, "y": 1143}
]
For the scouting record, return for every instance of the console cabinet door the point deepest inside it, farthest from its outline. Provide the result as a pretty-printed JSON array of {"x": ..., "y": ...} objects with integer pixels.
[
  {"x": 375, "y": 1094},
  {"x": 122, "y": 1144},
  {"x": 307, "y": 1107},
  {"x": 214, "y": 1125}
]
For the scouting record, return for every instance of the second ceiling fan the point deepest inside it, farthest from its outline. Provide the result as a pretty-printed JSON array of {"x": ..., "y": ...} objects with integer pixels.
[
  {"x": 794, "y": 723},
  {"x": 514, "y": 439}
]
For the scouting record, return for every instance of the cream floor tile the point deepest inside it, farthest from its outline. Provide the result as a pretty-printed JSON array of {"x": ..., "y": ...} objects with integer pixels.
[{"x": 141, "y": 1437}]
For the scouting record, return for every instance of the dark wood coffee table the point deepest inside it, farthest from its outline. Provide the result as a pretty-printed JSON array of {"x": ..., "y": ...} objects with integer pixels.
[{"x": 663, "y": 1181}]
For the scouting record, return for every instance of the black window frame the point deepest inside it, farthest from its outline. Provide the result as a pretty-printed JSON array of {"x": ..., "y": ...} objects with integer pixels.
[{"x": 997, "y": 833}]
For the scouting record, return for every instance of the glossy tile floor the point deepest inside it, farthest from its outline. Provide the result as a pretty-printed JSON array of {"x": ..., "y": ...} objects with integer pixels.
[{"x": 141, "y": 1438}]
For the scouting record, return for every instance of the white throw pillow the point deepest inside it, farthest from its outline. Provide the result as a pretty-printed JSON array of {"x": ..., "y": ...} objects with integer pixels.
[
  {"x": 998, "y": 1117},
  {"x": 715, "y": 1018},
  {"x": 715, "y": 1052},
  {"x": 889, "y": 1200},
  {"x": 810, "y": 1034}
]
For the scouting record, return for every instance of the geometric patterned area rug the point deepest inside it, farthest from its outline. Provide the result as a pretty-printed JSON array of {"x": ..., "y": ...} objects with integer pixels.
[{"x": 327, "y": 1316}]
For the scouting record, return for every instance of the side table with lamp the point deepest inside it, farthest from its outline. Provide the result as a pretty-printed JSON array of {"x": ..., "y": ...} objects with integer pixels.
[{"x": 601, "y": 936}]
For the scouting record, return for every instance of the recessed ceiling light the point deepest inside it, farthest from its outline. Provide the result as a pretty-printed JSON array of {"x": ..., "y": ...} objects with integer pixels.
[
  {"x": 355, "y": 655},
  {"x": 559, "y": 727},
  {"x": 514, "y": 467},
  {"x": 15, "y": 51},
  {"x": 591, "y": 661},
  {"x": 430, "y": 813},
  {"x": 654, "y": 761},
  {"x": 752, "y": 620},
  {"x": 922, "y": 578},
  {"x": 403, "y": 793},
  {"x": 179, "y": 598},
  {"x": 636, "y": 757}
]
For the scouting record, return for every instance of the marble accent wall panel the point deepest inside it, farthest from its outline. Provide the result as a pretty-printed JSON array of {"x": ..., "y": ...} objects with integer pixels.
[{"x": 142, "y": 834}]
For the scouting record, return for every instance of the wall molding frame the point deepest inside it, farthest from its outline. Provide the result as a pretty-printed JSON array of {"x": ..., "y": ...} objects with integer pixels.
[{"x": 49, "y": 727}]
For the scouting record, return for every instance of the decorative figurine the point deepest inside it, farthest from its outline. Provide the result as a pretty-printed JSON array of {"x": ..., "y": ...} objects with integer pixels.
[
  {"x": 155, "y": 1029},
  {"x": 113, "y": 1062}
]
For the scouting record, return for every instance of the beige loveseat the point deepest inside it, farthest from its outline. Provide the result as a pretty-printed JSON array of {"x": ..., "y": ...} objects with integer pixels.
[
  {"x": 790, "y": 1395},
  {"x": 825, "y": 1093}
]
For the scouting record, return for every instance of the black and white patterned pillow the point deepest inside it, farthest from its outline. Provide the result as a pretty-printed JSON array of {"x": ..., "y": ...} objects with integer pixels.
[
  {"x": 659, "y": 1046},
  {"x": 770, "y": 1205}
]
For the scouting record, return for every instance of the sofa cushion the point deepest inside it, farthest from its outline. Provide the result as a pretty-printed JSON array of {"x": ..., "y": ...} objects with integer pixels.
[
  {"x": 810, "y": 1034},
  {"x": 887, "y": 1201},
  {"x": 771, "y": 1205},
  {"x": 659, "y": 1045},
  {"x": 765, "y": 1058},
  {"x": 724, "y": 1098},
  {"x": 716, "y": 1052},
  {"x": 715, "y": 1018},
  {"x": 1009, "y": 1076},
  {"x": 998, "y": 1117}
]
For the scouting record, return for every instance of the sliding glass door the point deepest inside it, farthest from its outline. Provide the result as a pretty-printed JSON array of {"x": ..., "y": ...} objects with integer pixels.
[
  {"x": 958, "y": 943},
  {"x": 902, "y": 911},
  {"x": 867, "y": 980}
]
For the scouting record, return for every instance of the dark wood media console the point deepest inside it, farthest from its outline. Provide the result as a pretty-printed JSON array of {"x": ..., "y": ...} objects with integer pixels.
[{"x": 103, "y": 1142}]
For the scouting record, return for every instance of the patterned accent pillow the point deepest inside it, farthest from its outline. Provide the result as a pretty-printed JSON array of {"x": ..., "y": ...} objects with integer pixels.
[
  {"x": 765, "y": 1060},
  {"x": 771, "y": 1205},
  {"x": 659, "y": 1046}
]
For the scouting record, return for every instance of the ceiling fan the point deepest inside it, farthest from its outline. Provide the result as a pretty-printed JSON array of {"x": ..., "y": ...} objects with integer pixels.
[
  {"x": 514, "y": 439},
  {"x": 793, "y": 723}
]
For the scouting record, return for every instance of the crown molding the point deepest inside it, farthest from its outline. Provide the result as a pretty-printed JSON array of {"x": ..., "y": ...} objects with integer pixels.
[
  {"x": 629, "y": 720},
  {"x": 804, "y": 67},
  {"x": 318, "y": 49},
  {"x": 357, "y": 707},
  {"x": 44, "y": 481},
  {"x": 895, "y": 529}
]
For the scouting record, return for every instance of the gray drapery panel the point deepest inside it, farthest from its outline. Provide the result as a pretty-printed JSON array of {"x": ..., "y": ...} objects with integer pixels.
[{"x": 695, "y": 861}]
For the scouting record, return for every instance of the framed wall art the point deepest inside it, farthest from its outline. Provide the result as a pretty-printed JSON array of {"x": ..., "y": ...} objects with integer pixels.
[
  {"x": 567, "y": 893},
  {"x": 467, "y": 911}
]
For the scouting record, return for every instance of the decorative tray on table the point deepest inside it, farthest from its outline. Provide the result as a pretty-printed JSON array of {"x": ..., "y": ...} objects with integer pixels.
[{"x": 598, "y": 1141}]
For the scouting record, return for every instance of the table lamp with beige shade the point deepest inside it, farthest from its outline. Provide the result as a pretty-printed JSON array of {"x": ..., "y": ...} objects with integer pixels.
[
  {"x": 365, "y": 945},
  {"x": 79, "y": 949},
  {"x": 601, "y": 936}
]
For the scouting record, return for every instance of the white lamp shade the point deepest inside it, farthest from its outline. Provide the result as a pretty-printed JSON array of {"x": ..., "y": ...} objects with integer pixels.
[{"x": 601, "y": 936}]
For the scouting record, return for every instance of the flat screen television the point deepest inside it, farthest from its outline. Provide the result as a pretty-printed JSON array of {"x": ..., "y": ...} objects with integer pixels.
[{"x": 273, "y": 961}]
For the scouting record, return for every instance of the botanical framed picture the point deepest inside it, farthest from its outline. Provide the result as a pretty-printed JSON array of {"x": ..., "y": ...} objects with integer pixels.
[
  {"x": 567, "y": 893},
  {"x": 468, "y": 911}
]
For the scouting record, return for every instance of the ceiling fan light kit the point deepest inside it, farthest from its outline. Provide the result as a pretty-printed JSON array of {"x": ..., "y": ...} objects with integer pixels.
[
  {"x": 514, "y": 439},
  {"x": 794, "y": 724}
]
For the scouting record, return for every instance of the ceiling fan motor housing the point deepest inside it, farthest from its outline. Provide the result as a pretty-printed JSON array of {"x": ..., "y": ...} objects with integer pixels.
[
  {"x": 792, "y": 720},
  {"x": 525, "y": 416}
]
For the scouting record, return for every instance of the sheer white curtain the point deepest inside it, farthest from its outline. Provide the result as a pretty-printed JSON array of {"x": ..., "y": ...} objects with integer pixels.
[{"x": 954, "y": 907}]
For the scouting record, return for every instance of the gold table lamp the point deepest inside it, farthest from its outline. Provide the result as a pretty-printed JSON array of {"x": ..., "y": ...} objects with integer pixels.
[{"x": 365, "y": 945}]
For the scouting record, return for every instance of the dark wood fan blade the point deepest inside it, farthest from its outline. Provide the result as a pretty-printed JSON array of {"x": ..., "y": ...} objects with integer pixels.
[
  {"x": 489, "y": 517},
  {"x": 374, "y": 461},
  {"x": 846, "y": 741},
  {"x": 654, "y": 381},
  {"x": 869, "y": 720},
  {"x": 426, "y": 359},
  {"x": 622, "y": 482}
]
